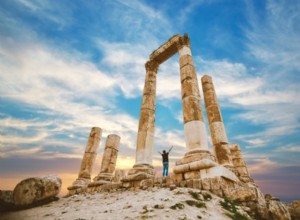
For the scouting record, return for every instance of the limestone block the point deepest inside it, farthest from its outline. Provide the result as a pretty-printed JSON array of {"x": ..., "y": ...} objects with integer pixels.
[
  {"x": 210, "y": 98},
  {"x": 186, "y": 60},
  {"x": 87, "y": 165},
  {"x": 206, "y": 184},
  {"x": 177, "y": 177},
  {"x": 150, "y": 76},
  {"x": 190, "y": 183},
  {"x": 192, "y": 110},
  {"x": 35, "y": 189},
  {"x": 144, "y": 151},
  {"x": 183, "y": 183},
  {"x": 79, "y": 183},
  {"x": 187, "y": 71},
  {"x": 195, "y": 155},
  {"x": 223, "y": 172},
  {"x": 243, "y": 194},
  {"x": 202, "y": 164},
  {"x": 149, "y": 102},
  {"x": 213, "y": 114},
  {"x": 197, "y": 184},
  {"x": 195, "y": 136},
  {"x": 142, "y": 169},
  {"x": 218, "y": 192},
  {"x": 191, "y": 175},
  {"x": 137, "y": 177},
  {"x": 242, "y": 170},
  {"x": 215, "y": 183},
  {"x": 218, "y": 134},
  {"x": 146, "y": 184},
  {"x": 203, "y": 173},
  {"x": 181, "y": 168},
  {"x": 223, "y": 154},
  {"x": 94, "y": 140},
  {"x": 189, "y": 87},
  {"x": 147, "y": 120},
  {"x": 126, "y": 184},
  {"x": 238, "y": 162},
  {"x": 227, "y": 183},
  {"x": 119, "y": 174},
  {"x": 150, "y": 87},
  {"x": 234, "y": 147}
]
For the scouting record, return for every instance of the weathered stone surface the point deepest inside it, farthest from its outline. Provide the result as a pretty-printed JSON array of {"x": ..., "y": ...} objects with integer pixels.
[
  {"x": 206, "y": 183},
  {"x": 6, "y": 200},
  {"x": 294, "y": 209},
  {"x": 146, "y": 184},
  {"x": 223, "y": 153},
  {"x": 242, "y": 194},
  {"x": 90, "y": 153},
  {"x": 119, "y": 174},
  {"x": 109, "y": 158},
  {"x": 277, "y": 209},
  {"x": 192, "y": 175},
  {"x": 35, "y": 189}
]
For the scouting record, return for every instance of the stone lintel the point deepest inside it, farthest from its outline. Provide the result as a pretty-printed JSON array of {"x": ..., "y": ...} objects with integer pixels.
[{"x": 169, "y": 48}]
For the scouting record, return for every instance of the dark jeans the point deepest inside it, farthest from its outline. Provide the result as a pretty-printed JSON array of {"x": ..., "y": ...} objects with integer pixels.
[{"x": 165, "y": 168}]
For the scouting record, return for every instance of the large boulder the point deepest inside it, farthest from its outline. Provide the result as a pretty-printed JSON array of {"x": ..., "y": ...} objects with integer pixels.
[{"x": 36, "y": 189}]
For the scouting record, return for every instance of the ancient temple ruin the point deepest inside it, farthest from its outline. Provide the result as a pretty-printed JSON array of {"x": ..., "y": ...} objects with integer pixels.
[{"x": 221, "y": 170}]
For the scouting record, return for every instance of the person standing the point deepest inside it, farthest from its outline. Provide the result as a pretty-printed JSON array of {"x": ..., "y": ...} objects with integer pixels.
[{"x": 165, "y": 160}]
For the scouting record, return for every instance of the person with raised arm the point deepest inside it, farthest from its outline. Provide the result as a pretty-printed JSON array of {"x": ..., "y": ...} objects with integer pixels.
[{"x": 165, "y": 161}]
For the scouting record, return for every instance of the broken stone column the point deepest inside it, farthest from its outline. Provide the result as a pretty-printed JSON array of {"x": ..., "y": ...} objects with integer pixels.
[
  {"x": 194, "y": 127},
  {"x": 216, "y": 125},
  {"x": 239, "y": 164},
  {"x": 109, "y": 159},
  {"x": 36, "y": 189},
  {"x": 143, "y": 168},
  {"x": 84, "y": 176}
]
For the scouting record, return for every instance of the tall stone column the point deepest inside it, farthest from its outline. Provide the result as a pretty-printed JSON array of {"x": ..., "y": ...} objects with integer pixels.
[
  {"x": 109, "y": 158},
  {"x": 143, "y": 168},
  {"x": 216, "y": 125},
  {"x": 84, "y": 176},
  {"x": 197, "y": 156},
  {"x": 194, "y": 126}
]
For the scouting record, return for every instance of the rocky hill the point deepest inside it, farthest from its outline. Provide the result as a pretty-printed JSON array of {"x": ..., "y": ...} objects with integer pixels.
[{"x": 155, "y": 203}]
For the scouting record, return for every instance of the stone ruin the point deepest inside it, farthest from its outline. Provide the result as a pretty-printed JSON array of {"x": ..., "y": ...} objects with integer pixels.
[{"x": 223, "y": 172}]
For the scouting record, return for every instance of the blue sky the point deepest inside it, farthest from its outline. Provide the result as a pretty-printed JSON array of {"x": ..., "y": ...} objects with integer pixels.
[{"x": 67, "y": 66}]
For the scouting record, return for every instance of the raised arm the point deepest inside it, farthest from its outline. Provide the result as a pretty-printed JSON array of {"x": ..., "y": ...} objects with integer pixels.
[
  {"x": 159, "y": 153},
  {"x": 170, "y": 149}
]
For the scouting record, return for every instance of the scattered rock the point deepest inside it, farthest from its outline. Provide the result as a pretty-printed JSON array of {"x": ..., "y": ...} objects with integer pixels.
[{"x": 36, "y": 189}]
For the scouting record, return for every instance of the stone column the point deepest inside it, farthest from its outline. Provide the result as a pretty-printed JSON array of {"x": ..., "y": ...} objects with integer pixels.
[
  {"x": 109, "y": 158},
  {"x": 216, "y": 125},
  {"x": 143, "y": 168},
  {"x": 194, "y": 127},
  {"x": 197, "y": 157},
  {"x": 84, "y": 176}
]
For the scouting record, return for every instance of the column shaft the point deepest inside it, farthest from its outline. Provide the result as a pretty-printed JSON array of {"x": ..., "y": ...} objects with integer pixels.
[
  {"x": 84, "y": 176},
  {"x": 145, "y": 137},
  {"x": 109, "y": 158},
  {"x": 216, "y": 125},
  {"x": 194, "y": 127},
  {"x": 90, "y": 153}
]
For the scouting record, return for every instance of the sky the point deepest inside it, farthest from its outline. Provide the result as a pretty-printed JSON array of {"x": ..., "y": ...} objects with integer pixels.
[{"x": 67, "y": 66}]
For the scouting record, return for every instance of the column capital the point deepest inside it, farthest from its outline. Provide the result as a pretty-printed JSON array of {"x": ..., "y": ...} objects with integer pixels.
[
  {"x": 152, "y": 65},
  {"x": 183, "y": 41}
]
